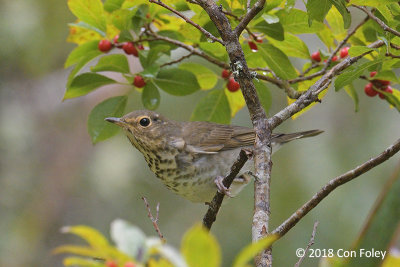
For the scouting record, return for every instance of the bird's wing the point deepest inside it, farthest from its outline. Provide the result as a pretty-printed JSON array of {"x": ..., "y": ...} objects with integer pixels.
[{"x": 209, "y": 138}]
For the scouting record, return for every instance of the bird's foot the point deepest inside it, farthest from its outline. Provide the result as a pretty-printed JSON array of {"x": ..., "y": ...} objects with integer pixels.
[{"x": 221, "y": 187}]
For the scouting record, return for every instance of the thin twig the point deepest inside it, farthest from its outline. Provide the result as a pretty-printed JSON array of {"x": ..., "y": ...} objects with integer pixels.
[
  {"x": 377, "y": 20},
  {"x": 251, "y": 13},
  {"x": 329, "y": 60},
  {"x": 178, "y": 60},
  {"x": 392, "y": 55},
  {"x": 154, "y": 220},
  {"x": 333, "y": 184},
  {"x": 310, "y": 243},
  {"x": 215, "y": 204},
  {"x": 194, "y": 24}
]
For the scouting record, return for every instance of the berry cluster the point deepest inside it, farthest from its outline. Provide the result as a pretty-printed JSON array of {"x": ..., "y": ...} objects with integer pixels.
[
  {"x": 344, "y": 52},
  {"x": 232, "y": 85},
  {"x": 128, "y": 47},
  {"x": 383, "y": 85}
]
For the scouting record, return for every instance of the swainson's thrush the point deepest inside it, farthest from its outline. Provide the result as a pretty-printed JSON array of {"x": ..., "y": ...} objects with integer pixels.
[{"x": 189, "y": 156}]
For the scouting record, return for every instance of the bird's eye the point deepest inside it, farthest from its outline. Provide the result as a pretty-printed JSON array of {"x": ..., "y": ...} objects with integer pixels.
[{"x": 144, "y": 122}]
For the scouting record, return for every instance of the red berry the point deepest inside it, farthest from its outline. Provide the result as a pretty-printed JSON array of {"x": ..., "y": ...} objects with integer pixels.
[
  {"x": 225, "y": 74},
  {"x": 140, "y": 47},
  {"x": 130, "y": 49},
  {"x": 253, "y": 46},
  {"x": 372, "y": 73},
  {"x": 138, "y": 81},
  {"x": 334, "y": 58},
  {"x": 369, "y": 90},
  {"x": 344, "y": 52},
  {"x": 259, "y": 40},
  {"x": 105, "y": 45},
  {"x": 316, "y": 56},
  {"x": 233, "y": 85},
  {"x": 129, "y": 264},
  {"x": 387, "y": 90},
  {"x": 111, "y": 264},
  {"x": 384, "y": 82},
  {"x": 147, "y": 15}
]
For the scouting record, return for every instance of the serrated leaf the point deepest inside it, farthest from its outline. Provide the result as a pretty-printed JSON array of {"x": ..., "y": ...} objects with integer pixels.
[
  {"x": 89, "y": 11},
  {"x": 176, "y": 82},
  {"x": 213, "y": 107},
  {"x": 317, "y": 9},
  {"x": 292, "y": 46},
  {"x": 341, "y": 7},
  {"x": 274, "y": 30},
  {"x": 150, "y": 96},
  {"x": 93, "y": 237},
  {"x": 296, "y": 22},
  {"x": 353, "y": 73},
  {"x": 112, "y": 5},
  {"x": 264, "y": 94},
  {"x": 129, "y": 238},
  {"x": 85, "y": 83},
  {"x": 200, "y": 248},
  {"x": 117, "y": 63},
  {"x": 277, "y": 61},
  {"x": 98, "y": 128},
  {"x": 356, "y": 51},
  {"x": 206, "y": 78},
  {"x": 80, "y": 52},
  {"x": 250, "y": 251},
  {"x": 351, "y": 91}
]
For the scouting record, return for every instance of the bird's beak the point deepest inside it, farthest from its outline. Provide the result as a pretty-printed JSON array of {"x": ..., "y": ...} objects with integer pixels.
[{"x": 116, "y": 121}]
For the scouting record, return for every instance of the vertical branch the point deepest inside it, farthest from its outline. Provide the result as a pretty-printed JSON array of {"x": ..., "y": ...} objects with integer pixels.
[{"x": 262, "y": 146}]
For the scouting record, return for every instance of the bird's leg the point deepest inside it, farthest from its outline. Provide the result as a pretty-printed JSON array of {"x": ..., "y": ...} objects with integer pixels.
[{"x": 221, "y": 187}]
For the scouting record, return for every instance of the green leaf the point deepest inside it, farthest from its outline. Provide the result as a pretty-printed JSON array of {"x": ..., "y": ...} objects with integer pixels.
[
  {"x": 341, "y": 7},
  {"x": 277, "y": 61},
  {"x": 356, "y": 51},
  {"x": 270, "y": 18},
  {"x": 200, "y": 248},
  {"x": 296, "y": 22},
  {"x": 351, "y": 91},
  {"x": 213, "y": 107},
  {"x": 111, "y": 5},
  {"x": 117, "y": 63},
  {"x": 274, "y": 30},
  {"x": 98, "y": 128},
  {"x": 81, "y": 52},
  {"x": 177, "y": 82},
  {"x": 292, "y": 46},
  {"x": 215, "y": 49},
  {"x": 388, "y": 75},
  {"x": 353, "y": 73},
  {"x": 317, "y": 10},
  {"x": 150, "y": 96},
  {"x": 250, "y": 251},
  {"x": 139, "y": 19},
  {"x": 122, "y": 19},
  {"x": 85, "y": 83},
  {"x": 373, "y": 3},
  {"x": 129, "y": 238},
  {"x": 206, "y": 78},
  {"x": 93, "y": 237},
  {"x": 79, "y": 250},
  {"x": 380, "y": 228},
  {"x": 264, "y": 94},
  {"x": 89, "y": 11},
  {"x": 89, "y": 56}
]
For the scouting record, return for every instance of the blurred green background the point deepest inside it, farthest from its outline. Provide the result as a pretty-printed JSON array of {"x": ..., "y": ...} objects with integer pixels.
[{"x": 51, "y": 175}]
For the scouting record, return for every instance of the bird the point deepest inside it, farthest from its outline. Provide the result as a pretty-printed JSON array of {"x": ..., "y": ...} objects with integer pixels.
[{"x": 191, "y": 157}]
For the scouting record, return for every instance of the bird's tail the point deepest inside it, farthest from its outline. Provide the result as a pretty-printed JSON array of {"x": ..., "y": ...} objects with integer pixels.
[{"x": 284, "y": 138}]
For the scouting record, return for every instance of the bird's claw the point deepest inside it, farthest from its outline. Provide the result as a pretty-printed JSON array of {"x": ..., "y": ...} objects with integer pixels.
[{"x": 221, "y": 187}]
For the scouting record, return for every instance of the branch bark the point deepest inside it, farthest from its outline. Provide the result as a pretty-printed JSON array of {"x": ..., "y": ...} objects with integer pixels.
[{"x": 333, "y": 184}]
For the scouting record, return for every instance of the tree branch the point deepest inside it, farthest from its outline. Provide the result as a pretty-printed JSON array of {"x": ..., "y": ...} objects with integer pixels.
[
  {"x": 310, "y": 243},
  {"x": 194, "y": 24},
  {"x": 215, "y": 204},
  {"x": 377, "y": 20},
  {"x": 333, "y": 184},
  {"x": 154, "y": 220},
  {"x": 178, "y": 60},
  {"x": 251, "y": 13}
]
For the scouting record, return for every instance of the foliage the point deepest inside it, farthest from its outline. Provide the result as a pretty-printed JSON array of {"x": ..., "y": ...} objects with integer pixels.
[
  {"x": 171, "y": 50},
  {"x": 198, "y": 248}
]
